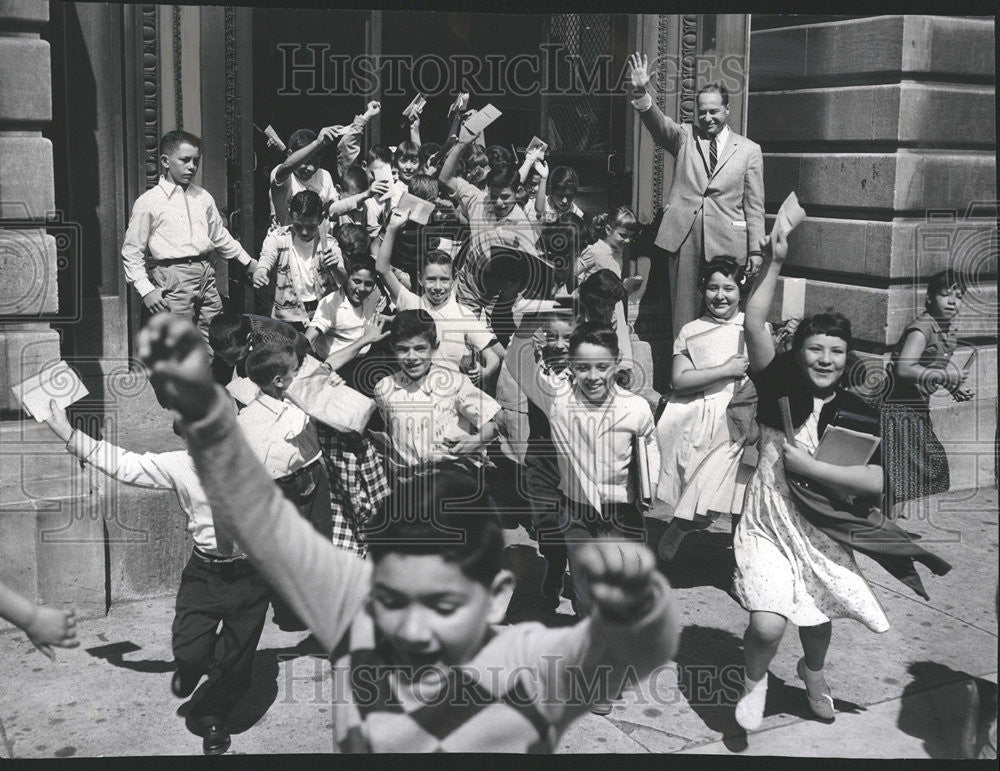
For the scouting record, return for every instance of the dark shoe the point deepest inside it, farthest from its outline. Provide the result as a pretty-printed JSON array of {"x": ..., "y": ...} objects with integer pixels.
[
  {"x": 183, "y": 683},
  {"x": 217, "y": 739}
]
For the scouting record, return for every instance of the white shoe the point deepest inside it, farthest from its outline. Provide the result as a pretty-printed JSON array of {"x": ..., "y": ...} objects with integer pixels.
[
  {"x": 822, "y": 707},
  {"x": 750, "y": 709}
]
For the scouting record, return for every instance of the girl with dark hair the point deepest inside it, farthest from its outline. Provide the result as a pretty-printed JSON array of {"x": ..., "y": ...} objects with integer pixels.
[
  {"x": 802, "y": 517},
  {"x": 921, "y": 364},
  {"x": 693, "y": 422}
]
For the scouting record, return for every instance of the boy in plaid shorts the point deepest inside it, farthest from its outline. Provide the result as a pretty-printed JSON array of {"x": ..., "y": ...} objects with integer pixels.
[{"x": 419, "y": 664}]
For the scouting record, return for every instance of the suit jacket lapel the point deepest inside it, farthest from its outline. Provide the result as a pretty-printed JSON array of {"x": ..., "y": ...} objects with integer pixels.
[
  {"x": 732, "y": 144},
  {"x": 697, "y": 143}
]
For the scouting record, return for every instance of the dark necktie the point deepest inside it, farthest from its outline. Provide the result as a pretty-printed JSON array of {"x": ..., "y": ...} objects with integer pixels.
[{"x": 713, "y": 154}]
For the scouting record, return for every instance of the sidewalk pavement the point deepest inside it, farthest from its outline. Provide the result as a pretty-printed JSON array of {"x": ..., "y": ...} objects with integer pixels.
[{"x": 902, "y": 694}]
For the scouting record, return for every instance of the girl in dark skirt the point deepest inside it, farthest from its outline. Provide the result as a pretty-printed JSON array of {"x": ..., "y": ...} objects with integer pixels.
[{"x": 915, "y": 460}]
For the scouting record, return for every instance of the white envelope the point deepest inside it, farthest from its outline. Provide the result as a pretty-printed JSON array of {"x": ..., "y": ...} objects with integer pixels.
[
  {"x": 417, "y": 209},
  {"x": 384, "y": 174},
  {"x": 793, "y": 298},
  {"x": 477, "y": 123},
  {"x": 789, "y": 215},
  {"x": 56, "y": 381}
]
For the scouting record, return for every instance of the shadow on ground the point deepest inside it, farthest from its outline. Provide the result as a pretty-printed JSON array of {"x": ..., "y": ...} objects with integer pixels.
[
  {"x": 955, "y": 724},
  {"x": 527, "y": 604}
]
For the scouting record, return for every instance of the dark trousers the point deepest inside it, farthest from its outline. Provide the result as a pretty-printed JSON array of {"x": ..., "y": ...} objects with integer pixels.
[
  {"x": 235, "y": 594},
  {"x": 542, "y": 481},
  {"x": 309, "y": 490},
  {"x": 581, "y": 523}
]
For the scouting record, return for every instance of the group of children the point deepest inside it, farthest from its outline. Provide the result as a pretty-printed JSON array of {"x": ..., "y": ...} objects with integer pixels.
[{"x": 491, "y": 334}]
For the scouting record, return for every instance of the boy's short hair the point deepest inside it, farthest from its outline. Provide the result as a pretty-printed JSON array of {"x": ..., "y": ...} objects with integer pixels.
[
  {"x": 499, "y": 156},
  {"x": 944, "y": 280},
  {"x": 415, "y": 323},
  {"x": 502, "y": 177},
  {"x": 406, "y": 149},
  {"x": 594, "y": 333},
  {"x": 447, "y": 514},
  {"x": 827, "y": 323},
  {"x": 360, "y": 263},
  {"x": 423, "y": 186},
  {"x": 428, "y": 150},
  {"x": 356, "y": 176},
  {"x": 379, "y": 153},
  {"x": 270, "y": 359},
  {"x": 435, "y": 257},
  {"x": 300, "y": 139},
  {"x": 602, "y": 285},
  {"x": 174, "y": 139},
  {"x": 306, "y": 203},
  {"x": 227, "y": 336},
  {"x": 563, "y": 179},
  {"x": 353, "y": 241}
]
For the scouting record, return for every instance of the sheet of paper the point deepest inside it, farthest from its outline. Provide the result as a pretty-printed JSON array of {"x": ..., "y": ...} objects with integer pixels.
[
  {"x": 477, "y": 124},
  {"x": 536, "y": 144},
  {"x": 793, "y": 298},
  {"x": 789, "y": 215},
  {"x": 384, "y": 174},
  {"x": 415, "y": 107},
  {"x": 243, "y": 389},
  {"x": 271, "y": 134},
  {"x": 57, "y": 381},
  {"x": 417, "y": 209}
]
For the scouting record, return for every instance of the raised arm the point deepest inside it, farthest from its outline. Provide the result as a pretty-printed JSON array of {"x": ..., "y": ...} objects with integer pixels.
[
  {"x": 665, "y": 132},
  {"x": 383, "y": 262},
  {"x": 297, "y": 158},
  {"x": 760, "y": 344},
  {"x": 325, "y": 586},
  {"x": 448, "y": 175}
]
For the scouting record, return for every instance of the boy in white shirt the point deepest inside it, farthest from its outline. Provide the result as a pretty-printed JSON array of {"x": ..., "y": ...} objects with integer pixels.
[
  {"x": 285, "y": 440},
  {"x": 341, "y": 317},
  {"x": 460, "y": 331},
  {"x": 433, "y": 415},
  {"x": 301, "y": 169},
  {"x": 218, "y": 584},
  {"x": 594, "y": 424}
]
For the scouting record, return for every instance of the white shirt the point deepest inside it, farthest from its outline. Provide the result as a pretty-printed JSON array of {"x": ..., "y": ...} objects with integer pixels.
[
  {"x": 169, "y": 222},
  {"x": 280, "y": 193},
  {"x": 476, "y": 206},
  {"x": 158, "y": 471},
  {"x": 420, "y": 415},
  {"x": 594, "y": 443},
  {"x": 301, "y": 261},
  {"x": 459, "y": 329},
  {"x": 341, "y": 323},
  {"x": 280, "y": 434},
  {"x": 706, "y": 144}
]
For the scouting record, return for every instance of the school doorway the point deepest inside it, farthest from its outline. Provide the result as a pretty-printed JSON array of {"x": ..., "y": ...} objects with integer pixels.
[{"x": 555, "y": 76}]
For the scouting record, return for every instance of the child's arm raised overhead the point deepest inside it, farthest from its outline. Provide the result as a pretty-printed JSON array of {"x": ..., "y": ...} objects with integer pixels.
[
  {"x": 383, "y": 262},
  {"x": 296, "y": 159},
  {"x": 415, "y": 130},
  {"x": 45, "y": 627},
  {"x": 541, "y": 197},
  {"x": 760, "y": 344},
  {"x": 349, "y": 148},
  {"x": 326, "y": 586},
  {"x": 374, "y": 332}
]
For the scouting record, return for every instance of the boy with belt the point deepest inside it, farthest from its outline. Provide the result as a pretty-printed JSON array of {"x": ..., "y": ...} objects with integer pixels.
[{"x": 173, "y": 229}]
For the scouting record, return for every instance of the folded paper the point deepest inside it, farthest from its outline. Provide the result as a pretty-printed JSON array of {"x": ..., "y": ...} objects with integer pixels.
[
  {"x": 338, "y": 406},
  {"x": 416, "y": 209},
  {"x": 58, "y": 382}
]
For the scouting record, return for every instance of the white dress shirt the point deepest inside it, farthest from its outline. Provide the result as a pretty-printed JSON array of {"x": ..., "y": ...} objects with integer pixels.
[
  {"x": 158, "y": 471},
  {"x": 169, "y": 222},
  {"x": 280, "y": 434},
  {"x": 459, "y": 329}
]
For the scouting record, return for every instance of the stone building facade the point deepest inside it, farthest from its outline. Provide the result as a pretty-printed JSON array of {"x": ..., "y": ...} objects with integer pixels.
[{"x": 884, "y": 126}]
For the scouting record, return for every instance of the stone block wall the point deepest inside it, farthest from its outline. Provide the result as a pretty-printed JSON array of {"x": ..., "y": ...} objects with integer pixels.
[{"x": 885, "y": 128}]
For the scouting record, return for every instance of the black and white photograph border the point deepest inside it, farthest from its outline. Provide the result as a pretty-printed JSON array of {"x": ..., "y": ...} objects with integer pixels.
[{"x": 881, "y": 126}]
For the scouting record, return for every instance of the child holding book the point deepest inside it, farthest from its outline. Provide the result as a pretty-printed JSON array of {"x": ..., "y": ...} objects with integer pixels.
[
  {"x": 802, "y": 517},
  {"x": 916, "y": 462},
  {"x": 218, "y": 584},
  {"x": 420, "y": 616},
  {"x": 693, "y": 422}
]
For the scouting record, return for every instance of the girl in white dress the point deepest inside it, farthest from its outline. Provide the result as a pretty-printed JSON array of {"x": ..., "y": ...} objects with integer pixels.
[
  {"x": 693, "y": 422},
  {"x": 787, "y": 568}
]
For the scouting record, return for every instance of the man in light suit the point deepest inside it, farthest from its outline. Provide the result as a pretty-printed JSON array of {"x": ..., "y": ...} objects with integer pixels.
[{"x": 716, "y": 201}]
